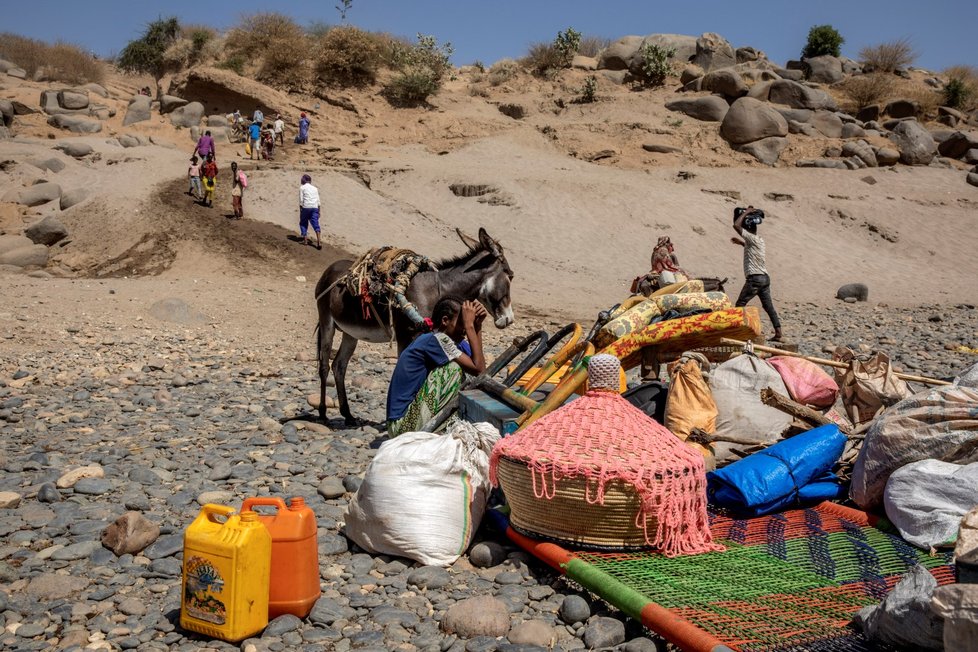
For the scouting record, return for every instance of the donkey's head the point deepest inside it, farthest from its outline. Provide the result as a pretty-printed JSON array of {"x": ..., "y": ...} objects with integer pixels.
[{"x": 487, "y": 258}]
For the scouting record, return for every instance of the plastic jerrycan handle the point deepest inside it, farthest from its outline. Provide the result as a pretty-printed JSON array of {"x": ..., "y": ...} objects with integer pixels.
[
  {"x": 211, "y": 510},
  {"x": 267, "y": 501}
]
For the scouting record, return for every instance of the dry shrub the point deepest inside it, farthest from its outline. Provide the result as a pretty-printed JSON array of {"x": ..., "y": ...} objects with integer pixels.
[
  {"x": 961, "y": 90},
  {"x": 502, "y": 71},
  {"x": 867, "y": 90},
  {"x": 543, "y": 60},
  {"x": 887, "y": 57},
  {"x": 258, "y": 33},
  {"x": 71, "y": 64},
  {"x": 61, "y": 62},
  {"x": 348, "y": 56},
  {"x": 479, "y": 89},
  {"x": 591, "y": 46},
  {"x": 284, "y": 66},
  {"x": 28, "y": 53},
  {"x": 191, "y": 49}
]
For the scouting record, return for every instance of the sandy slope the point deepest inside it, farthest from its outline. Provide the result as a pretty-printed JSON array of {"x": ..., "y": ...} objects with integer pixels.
[{"x": 575, "y": 232}]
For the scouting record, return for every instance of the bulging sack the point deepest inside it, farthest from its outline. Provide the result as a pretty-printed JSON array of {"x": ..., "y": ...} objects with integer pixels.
[
  {"x": 926, "y": 500},
  {"x": 689, "y": 403},
  {"x": 736, "y": 386},
  {"x": 424, "y": 495},
  {"x": 939, "y": 423},
  {"x": 868, "y": 385},
  {"x": 806, "y": 382}
]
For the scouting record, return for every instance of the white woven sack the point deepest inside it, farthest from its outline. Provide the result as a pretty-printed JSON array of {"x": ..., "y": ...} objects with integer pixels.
[
  {"x": 736, "y": 386},
  {"x": 423, "y": 495}
]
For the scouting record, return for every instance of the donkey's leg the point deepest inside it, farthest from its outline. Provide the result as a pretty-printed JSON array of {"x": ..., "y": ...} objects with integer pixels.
[
  {"x": 347, "y": 346},
  {"x": 324, "y": 342}
]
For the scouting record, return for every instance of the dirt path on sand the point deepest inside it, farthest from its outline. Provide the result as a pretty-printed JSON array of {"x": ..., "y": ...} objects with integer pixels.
[{"x": 203, "y": 238}]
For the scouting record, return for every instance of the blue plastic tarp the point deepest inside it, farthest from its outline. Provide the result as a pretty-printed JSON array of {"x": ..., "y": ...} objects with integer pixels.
[{"x": 796, "y": 471}]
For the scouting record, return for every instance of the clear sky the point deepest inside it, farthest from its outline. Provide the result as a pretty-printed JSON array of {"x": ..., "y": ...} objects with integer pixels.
[{"x": 942, "y": 31}]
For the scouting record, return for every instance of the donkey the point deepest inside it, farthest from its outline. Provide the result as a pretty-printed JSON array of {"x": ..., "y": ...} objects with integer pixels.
[{"x": 482, "y": 273}]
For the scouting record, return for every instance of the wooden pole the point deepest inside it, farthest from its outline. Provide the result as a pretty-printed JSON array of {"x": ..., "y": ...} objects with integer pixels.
[
  {"x": 795, "y": 409},
  {"x": 830, "y": 363}
]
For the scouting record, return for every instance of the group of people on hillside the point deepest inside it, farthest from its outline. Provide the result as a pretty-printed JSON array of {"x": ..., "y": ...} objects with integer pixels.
[{"x": 203, "y": 172}]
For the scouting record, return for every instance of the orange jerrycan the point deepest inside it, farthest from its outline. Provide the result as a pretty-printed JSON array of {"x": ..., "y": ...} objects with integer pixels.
[
  {"x": 226, "y": 568},
  {"x": 294, "y": 586}
]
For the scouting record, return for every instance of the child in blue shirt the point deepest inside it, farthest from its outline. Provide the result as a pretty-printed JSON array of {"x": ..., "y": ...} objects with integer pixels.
[{"x": 428, "y": 374}]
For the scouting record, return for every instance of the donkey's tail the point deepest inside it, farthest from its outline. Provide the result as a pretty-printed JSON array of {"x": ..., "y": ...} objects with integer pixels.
[{"x": 319, "y": 343}]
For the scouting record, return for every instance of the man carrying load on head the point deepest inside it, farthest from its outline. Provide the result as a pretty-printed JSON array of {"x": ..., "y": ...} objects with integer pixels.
[
  {"x": 428, "y": 374},
  {"x": 756, "y": 281}
]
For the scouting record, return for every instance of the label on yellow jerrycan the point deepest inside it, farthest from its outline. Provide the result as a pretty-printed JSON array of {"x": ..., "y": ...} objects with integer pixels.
[{"x": 226, "y": 573}]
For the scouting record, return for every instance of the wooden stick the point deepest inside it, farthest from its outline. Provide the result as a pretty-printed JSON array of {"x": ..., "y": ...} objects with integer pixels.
[
  {"x": 831, "y": 363},
  {"x": 781, "y": 402}
]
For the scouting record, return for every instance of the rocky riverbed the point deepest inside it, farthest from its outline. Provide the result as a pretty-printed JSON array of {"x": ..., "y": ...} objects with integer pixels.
[{"x": 127, "y": 406}]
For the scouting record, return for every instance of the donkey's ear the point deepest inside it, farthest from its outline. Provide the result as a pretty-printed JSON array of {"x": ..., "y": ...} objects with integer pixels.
[
  {"x": 468, "y": 240},
  {"x": 489, "y": 244}
]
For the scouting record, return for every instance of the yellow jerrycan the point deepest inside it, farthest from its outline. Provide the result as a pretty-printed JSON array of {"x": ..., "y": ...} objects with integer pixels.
[{"x": 227, "y": 560}]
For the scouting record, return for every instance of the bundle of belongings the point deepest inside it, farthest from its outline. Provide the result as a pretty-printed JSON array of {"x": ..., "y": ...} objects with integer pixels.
[
  {"x": 919, "y": 461},
  {"x": 665, "y": 271},
  {"x": 424, "y": 495},
  {"x": 381, "y": 277},
  {"x": 600, "y": 473}
]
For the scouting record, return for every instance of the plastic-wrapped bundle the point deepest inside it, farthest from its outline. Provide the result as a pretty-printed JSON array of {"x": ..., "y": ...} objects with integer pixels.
[{"x": 794, "y": 471}]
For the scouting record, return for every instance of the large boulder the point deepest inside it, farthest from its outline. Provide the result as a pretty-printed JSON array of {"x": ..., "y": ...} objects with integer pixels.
[
  {"x": 11, "y": 242},
  {"x": 713, "y": 52},
  {"x": 619, "y": 55},
  {"x": 98, "y": 89},
  {"x": 73, "y": 100},
  {"x": 76, "y": 124},
  {"x": 75, "y": 149},
  {"x": 49, "y": 164},
  {"x": 73, "y": 197},
  {"x": 139, "y": 110},
  {"x": 726, "y": 82},
  {"x": 916, "y": 145},
  {"x": 690, "y": 73},
  {"x": 39, "y": 193},
  {"x": 7, "y": 112},
  {"x": 749, "y": 120},
  {"x": 827, "y": 123},
  {"x": 188, "y": 115},
  {"x": 169, "y": 103},
  {"x": 765, "y": 150},
  {"x": 957, "y": 144},
  {"x": 32, "y": 256},
  {"x": 902, "y": 108},
  {"x": 579, "y": 62},
  {"x": 47, "y": 231},
  {"x": 49, "y": 103},
  {"x": 861, "y": 150},
  {"x": 886, "y": 156},
  {"x": 799, "y": 96},
  {"x": 798, "y": 115},
  {"x": 747, "y": 54},
  {"x": 22, "y": 109},
  {"x": 708, "y": 109},
  {"x": 825, "y": 69},
  {"x": 224, "y": 91}
]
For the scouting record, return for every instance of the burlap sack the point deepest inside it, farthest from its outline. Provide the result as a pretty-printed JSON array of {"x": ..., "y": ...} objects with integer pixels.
[{"x": 868, "y": 385}]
